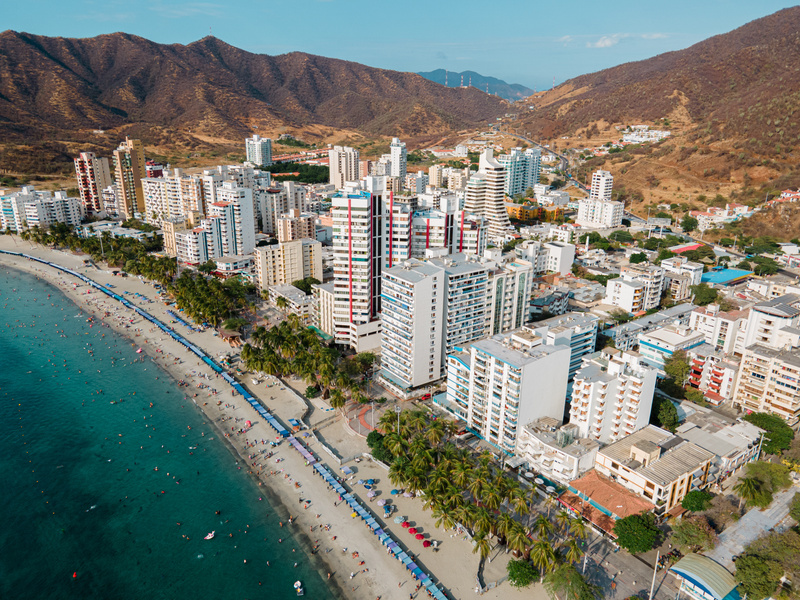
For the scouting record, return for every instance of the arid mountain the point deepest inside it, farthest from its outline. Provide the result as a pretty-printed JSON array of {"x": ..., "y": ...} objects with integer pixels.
[
  {"x": 208, "y": 91},
  {"x": 498, "y": 87},
  {"x": 743, "y": 85}
]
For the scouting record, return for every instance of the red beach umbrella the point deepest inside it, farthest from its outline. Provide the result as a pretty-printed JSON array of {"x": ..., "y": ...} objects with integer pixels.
[
  {"x": 419, "y": 536},
  {"x": 412, "y": 530},
  {"x": 405, "y": 525},
  {"x": 426, "y": 544}
]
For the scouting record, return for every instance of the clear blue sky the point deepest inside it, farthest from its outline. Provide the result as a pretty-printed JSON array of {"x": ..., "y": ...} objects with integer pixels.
[{"x": 521, "y": 41}]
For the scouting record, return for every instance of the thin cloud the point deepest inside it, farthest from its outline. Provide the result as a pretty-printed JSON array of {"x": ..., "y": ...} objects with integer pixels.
[{"x": 607, "y": 41}]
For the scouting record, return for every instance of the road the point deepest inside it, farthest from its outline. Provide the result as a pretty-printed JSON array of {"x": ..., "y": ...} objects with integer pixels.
[
  {"x": 564, "y": 161},
  {"x": 752, "y": 525}
]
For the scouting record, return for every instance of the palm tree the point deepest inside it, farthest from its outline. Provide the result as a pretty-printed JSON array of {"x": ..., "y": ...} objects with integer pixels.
[
  {"x": 577, "y": 528},
  {"x": 505, "y": 525},
  {"x": 443, "y": 518},
  {"x": 281, "y": 303},
  {"x": 563, "y": 520},
  {"x": 543, "y": 556},
  {"x": 518, "y": 539},
  {"x": 337, "y": 400},
  {"x": 435, "y": 433},
  {"x": 462, "y": 474},
  {"x": 566, "y": 582},
  {"x": 480, "y": 543},
  {"x": 572, "y": 551},
  {"x": 542, "y": 526},
  {"x": 490, "y": 497},
  {"x": 748, "y": 489},
  {"x": 483, "y": 523},
  {"x": 394, "y": 443}
]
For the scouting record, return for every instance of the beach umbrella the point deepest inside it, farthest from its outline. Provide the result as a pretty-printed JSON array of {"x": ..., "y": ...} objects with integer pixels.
[
  {"x": 381, "y": 502},
  {"x": 539, "y": 480},
  {"x": 360, "y": 481},
  {"x": 394, "y": 492},
  {"x": 408, "y": 495},
  {"x": 412, "y": 530},
  {"x": 399, "y": 519},
  {"x": 354, "y": 515},
  {"x": 419, "y": 536},
  {"x": 248, "y": 424},
  {"x": 426, "y": 544},
  {"x": 370, "y": 494},
  {"x": 405, "y": 525}
]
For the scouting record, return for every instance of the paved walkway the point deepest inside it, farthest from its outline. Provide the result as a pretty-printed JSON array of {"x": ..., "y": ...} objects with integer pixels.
[{"x": 753, "y": 524}]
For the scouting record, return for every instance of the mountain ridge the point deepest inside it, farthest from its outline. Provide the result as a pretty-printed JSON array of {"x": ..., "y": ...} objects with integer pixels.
[
  {"x": 498, "y": 87},
  {"x": 66, "y": 87}
]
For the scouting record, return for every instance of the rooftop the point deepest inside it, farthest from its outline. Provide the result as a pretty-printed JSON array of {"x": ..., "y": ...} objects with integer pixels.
[
  {"x": 612, "y": 496},
  {"x": 677, "y": 457},
  {"x": 790, "y": 355},
  {"x": 782, "y": 306},
  {"x": 708, "y": 575},
  {"x": 517, "y": 358},
  {"x": 725, "y": 276}
]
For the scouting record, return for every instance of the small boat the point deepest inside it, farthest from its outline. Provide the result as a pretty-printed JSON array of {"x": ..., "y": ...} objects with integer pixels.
[
  {"x": 299, "y": 588},
  {"x": 139, "y": 351},
  {"x": 210, "y": 535}
]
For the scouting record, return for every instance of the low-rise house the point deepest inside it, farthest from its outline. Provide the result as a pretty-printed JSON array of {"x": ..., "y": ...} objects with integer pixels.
[
  {"x": 556, "y": 452},
  {"x": 656, "y": 465}
]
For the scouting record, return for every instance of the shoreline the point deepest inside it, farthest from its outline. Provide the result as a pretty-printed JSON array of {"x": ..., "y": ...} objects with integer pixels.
[
  {"x": 453, "y": 567},
  {"x": 280, "y": 500}
]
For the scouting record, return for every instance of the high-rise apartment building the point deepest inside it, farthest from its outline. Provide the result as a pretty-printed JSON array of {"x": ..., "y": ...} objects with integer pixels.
[
  {"x": 29, "y": 208},
  {"x": 234, "y": 213},
  {"x": 259, "y": 151},
  {"x": 398, "y": 154},
  {"x": 93, "y": 177},
  {"x": 285, "y": 263},
  {"x": 173, "y": 195},
  {"x": 344, "y": 165},
  {"x": 605, "y": 214},
  {"x": 455, "y": 231},
  {"x": 768, "y": 382},
  {"x": 485, "y": 195},
  {"x": 436, "y": 176},
  {"x": 296, "y": 225},
  {"x": 602, "y": 184},
  {"x": 612, "y": 395},
  {"x": 522, "y": 170},
  {"x": 499, "y": 384},
  {"x": 358, "y": 247},
  {"x": 128, "y": 174},
  {"x": 413, "y": 298},
  {"x": 574, "y": 329},
  {"x": 508, "y": 297}
]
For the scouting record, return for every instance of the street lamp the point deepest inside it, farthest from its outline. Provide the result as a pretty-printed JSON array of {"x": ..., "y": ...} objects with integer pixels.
[{"x": 398, "y": 410}]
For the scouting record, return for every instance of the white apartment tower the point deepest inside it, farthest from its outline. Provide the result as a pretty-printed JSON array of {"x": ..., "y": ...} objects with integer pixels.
[
  {"x": 259, "y": 151},
  {"x": 612, "y": 395},
  {"x": 485, "y": 194},
  {"x": 508, "y": 297},
  {"x": 605, "y": 214},
  {"x": 602, "y": 183},
  {"x": 399, "y": 159},
  {"x": 344, "y": 165},
  {"x": 234, "y": 212},
  {"x": 93, "y": 176},
  {"x": 522, "y": 169},
  {"x": 412, "y": 312},
  {"x": 499, "y": 384},
  {"x": 285, "y": 263}
]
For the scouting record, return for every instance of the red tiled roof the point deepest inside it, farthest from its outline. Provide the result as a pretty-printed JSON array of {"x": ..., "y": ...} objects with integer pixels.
[{"x": 612, "y": 496}]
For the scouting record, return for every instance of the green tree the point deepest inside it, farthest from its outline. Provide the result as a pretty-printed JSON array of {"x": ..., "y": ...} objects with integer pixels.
[
  {"x": 521, "y": 573},
  {"x": 758, "y": 578},
  {"x": 696, "y": 396},
  {"x": 637, "y": 533},
  {"x": 703, "y": 294},
  {"x": 207, "y": 267},
  {"x": 664, "y": 414},
  {"x": 637, "y": 258},
  {"x": 697, "y": 500},
  {"x": 794, "y": 507},
  {"x": 565, "y": 582},
  {"x": 689, "y": 223},
  {"x": 694, "y": 534},
  {"x": 748, "y": 489},
  {"x": 778, "y": 436},
  {"x": 677, "y": 366}
]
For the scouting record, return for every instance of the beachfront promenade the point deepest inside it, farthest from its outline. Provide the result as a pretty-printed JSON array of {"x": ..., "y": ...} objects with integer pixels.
[{"x": 333, "y": 483}]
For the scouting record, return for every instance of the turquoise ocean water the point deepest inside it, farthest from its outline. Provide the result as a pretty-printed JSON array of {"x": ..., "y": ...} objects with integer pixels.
[{"x": 94, "y": 482}]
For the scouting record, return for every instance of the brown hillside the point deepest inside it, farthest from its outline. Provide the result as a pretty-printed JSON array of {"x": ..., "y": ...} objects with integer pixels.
[
  {"x": 62, "y": 89},
  {"x": 742, "y": 85}
]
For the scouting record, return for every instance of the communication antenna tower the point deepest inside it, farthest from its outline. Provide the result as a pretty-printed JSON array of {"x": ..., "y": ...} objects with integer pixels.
[
  {"x": 554, "y": 82},
  {"x": 445, "y": 78}
]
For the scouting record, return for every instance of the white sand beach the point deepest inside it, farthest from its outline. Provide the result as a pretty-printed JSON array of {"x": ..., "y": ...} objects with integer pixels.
[{"x": 328, "y": 527}]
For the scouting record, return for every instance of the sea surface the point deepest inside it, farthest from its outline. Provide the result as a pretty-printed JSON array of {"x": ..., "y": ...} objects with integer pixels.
[{"x": 104, "y": 496}]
